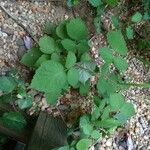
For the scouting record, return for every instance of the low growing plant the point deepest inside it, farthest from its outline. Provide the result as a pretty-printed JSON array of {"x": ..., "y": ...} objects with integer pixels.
[{"x": 62, "y": 60}]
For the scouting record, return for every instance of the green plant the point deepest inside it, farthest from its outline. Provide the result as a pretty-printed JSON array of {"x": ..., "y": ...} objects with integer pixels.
[
  {"x": 13, "y": 90},
  {"x": 68, "y": 64}
]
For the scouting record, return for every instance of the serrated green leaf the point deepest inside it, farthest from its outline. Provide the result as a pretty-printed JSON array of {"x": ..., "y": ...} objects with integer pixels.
[
  {"x": 95, "y": 3},
  {"x": 84, "y": 88},
  {"x": 87, "y": 129},
  {"x": 83, "y": 47},
  {"x": 73, "y": 77},
  {"x": 7, "y": 84},
  {"x": 137, "y": 17},
  {"x": 121, "y": 64},
  {"x": 25, "y": 103},
  {"x": 112, "y": 2},
  {"x": 61, "y": 30},
  {"x": 83, "y": 144},
  {"x": 69, "y": 45},
  {"x": 96, "y": 135},
  {"x": 47, "y": 44},
  {"x": 84, "y": 120},
  {"x": 14, "y": 120},
  {"x": 85, "y": 57},
  {"x": 106, "y": 54},
  {"x": 85, "y": 70},
  {"x": 108, "y": 123},
  {"x": 70, "y": 60},
  {"x": 50, "y": 76},
  {"x": 116, "y": 101},
  {"x": 42, "y": 59},
  {"x": 55, "y": 57},
  {"x": 31, "y": 57},
  {"x": 129, "y": 32},
  {"x": 77, "y": 29},
  {"x": 117, "y": 42},
  {"x": 106, "y": 113},
  {"x": 52, "y": 96},
  {"x": 128, "y": 110}
]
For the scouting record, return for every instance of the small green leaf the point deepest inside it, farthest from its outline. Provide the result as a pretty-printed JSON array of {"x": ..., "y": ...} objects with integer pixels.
[
  {"x": 95, "y": 114},
  {"x": 55, "y": 57},
  {"x": 108, "y": 123},
  {"x": 73, "y": 77},
  {"x": 7, "y": 84},
  {"x": 87, "y": 129},
  {"x": 115, "y": 21},
  {"x": 31, "y": 57},
  {"x": 97, "y": 24},
  {"x": 84, "y": 88},
  {"x": 117, "y": 42},
  {"x": 84, "y": 120},
  {"x": 77, "y": 29},
  {"x": 14, "y": 120},
  {"x": 96, "y": 135},
  {"x": 83, "y": 144},
  {"x": 64, "y": 148},
  {"x": 106, "y": 54},
  {"x": 25, "y": 103},
  {"x": 106, "y": 112},
  {"x": 85, "y": 57},
  {"x": 69, "y": 45},
  {"x": 137, "y": 17},
  {"x": 128, "y": 110},
  {"x": 95, "y": 3},
  {"x": 121, "y": 64},
  {"x": 83, "y": 47},
  {"x": 47, "y": 44},
  {"x": 129, "y": 32},
  {"x": 42, "y": 59},
  {"x": 61, "y": 30},
  {"x": 112, "y": 2},
  {"x": 116, "y": 101},
  {"x": 70, "y": 60}
]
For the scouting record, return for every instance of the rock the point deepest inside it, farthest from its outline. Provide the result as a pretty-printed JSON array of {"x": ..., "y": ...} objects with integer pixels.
[
  {"x": 20, "y": 42},
  {"x": 109, "y": 142},
  {"x": 8, "y": 31}
]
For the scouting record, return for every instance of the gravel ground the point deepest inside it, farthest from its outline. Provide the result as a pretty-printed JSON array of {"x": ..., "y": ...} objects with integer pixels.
[{"x": 33, "y": 15}]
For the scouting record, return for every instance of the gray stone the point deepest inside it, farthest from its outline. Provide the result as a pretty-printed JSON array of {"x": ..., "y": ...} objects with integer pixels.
[
  {"x": 7, "y": 30},
  {"x": 20, "y": 42}
]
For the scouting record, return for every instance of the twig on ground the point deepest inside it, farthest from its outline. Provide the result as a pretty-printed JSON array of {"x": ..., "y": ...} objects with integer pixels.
[{"x": 19, "y": 23}]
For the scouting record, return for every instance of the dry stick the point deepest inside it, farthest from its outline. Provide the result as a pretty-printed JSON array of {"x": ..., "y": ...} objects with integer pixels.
[{"x": 19, "y": 23}]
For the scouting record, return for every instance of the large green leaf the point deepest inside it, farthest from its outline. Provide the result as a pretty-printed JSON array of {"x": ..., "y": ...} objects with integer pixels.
[
  {"x": 61, "y": 30},
  {"x": 106, "y": 54},
  {"x": 116, "y": 101},
  {"x": 50, "y": 76},
  {"x": 14, "y": 120},
  {"x": 121, "y": 64},
  {"x": 7, "y": 84},
  {"x": 83, "y": 144},
  {"x": 77, "y": 29},
  {"x": 70, "y": 60},
  {"x": 73, "y": 76},
  {"x": 47, "y": 44},
  {"x": 31, "y": 57},
  {"x": 69, "y": 45},
  {"x": 117, "y": 42}
]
